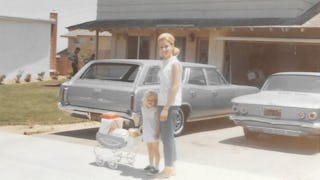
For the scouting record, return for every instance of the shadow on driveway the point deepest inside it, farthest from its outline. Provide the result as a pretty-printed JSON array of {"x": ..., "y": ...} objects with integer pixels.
[
  {"x": 207, "y": 125},
  {"x": 294, "y": 145},
  {"x": 89, "y": 133},
  {"x": 127, "y": 171},
  {"x": 190, "y": 128}
]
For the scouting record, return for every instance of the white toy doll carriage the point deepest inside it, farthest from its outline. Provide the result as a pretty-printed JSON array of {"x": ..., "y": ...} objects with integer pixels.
[{"x": 123, "y": 143}]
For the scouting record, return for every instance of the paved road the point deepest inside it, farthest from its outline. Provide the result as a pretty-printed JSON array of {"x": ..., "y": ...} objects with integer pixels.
[{"x": 209, "y": 150}]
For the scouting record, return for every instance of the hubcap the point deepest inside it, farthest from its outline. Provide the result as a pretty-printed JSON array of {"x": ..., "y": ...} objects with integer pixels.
[{"x": 179, "y": 121}]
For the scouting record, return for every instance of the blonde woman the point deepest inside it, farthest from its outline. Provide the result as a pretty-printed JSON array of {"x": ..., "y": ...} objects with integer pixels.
[
  {"x": 169, "y": 99},
  {"x": 150, "y": 134}
]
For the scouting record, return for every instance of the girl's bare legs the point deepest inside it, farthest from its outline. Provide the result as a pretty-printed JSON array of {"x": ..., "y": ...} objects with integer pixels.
[
  {"x": 150, "y": 153},
  {"x": 156, "y": 154},
  {"x": 154, "y": 158}
]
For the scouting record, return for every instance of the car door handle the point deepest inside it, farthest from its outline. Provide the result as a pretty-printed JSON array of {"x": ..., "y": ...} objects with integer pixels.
[
  {"x": 214, "y": 93},
  {"x": 192, "y": 93}
]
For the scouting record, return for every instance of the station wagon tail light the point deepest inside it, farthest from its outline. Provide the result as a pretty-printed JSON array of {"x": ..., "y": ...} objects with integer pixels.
[
  {"x": 312, "y": 115},
  {"x": 131, "y": 102},
  {"x": 301, "y": 115}
]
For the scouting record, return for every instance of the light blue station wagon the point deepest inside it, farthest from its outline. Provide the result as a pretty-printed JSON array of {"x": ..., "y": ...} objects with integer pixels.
[{"x": 118, "y": 85}]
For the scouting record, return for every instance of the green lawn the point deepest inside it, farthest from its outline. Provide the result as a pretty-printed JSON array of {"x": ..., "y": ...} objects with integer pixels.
[{"x": 32, "y": 103}]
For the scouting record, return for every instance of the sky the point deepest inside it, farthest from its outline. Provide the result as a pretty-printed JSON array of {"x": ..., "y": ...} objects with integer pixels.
[{"x": 70, "y": 12}]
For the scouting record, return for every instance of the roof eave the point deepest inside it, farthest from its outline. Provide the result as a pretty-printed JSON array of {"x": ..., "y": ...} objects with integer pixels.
[
  {"x": 177, "y": 23},
  {"x": 198, "y": 22}
]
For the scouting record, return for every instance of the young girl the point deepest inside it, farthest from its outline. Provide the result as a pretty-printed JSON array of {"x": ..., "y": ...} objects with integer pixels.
[{"x": 150, "y": 127}]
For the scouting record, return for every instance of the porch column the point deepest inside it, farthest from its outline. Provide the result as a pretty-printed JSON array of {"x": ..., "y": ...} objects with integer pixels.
[
  {"x": 113, "y": 45},
  {"x": 191, "y": 47},
  {"x": 153, "y": 46},
  {"x": 216, "y": 50},
  {"x": 97, "y": 45}
]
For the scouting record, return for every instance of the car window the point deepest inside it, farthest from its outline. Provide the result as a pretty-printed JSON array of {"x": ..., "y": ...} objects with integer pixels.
[
  {"x": 298, "y": 83},
  {"x": 196, "y": 77},
  {"x": 152, "y": 76},
  {"x": 214, "y": 78},
  {"x": 111, "y": 71}
]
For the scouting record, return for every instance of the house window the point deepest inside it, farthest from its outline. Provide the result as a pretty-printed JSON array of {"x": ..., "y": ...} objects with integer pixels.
[
  {"x": 138, "y": 47},
  {"x": 181, "y": 44},
  {"x": 202, "y": 50}
]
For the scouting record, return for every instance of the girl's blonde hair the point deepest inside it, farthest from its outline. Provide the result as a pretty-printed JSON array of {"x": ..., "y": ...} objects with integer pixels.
[
  {"x": 148, "y": 94},
  {"x": 170, "y": 38}
]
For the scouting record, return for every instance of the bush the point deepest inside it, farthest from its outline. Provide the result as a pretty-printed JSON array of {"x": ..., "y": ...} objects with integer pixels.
[
  {"x": 54, "y": 75},
  {"x": 70, "y": 74},
  {"x": 27, "y": 78},
  {"x": 18, "y": 77},
  {"x": 41, "y": 75},
  {"x": 2, "y": 77}
]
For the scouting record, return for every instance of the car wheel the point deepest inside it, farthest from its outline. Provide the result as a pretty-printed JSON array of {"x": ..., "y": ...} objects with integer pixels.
[
  {"x": 179, "y": 123},
  {"x": 250, "y": 134},
  {"x": 99, "y": 161}
]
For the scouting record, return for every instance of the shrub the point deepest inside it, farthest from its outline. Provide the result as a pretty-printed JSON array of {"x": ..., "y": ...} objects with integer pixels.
[
  {"x": 2, "y": 77},
  {"x": 27, "y": 78},
  {"x": 70, "y": 74},
  {"x": 54, "y": 75},
  {"x": 41, "y": 75},
  {"x": 18, "y": 77}
]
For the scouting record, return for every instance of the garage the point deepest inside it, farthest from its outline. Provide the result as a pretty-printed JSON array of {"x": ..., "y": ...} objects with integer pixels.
[{"x": 250, "y": 60}]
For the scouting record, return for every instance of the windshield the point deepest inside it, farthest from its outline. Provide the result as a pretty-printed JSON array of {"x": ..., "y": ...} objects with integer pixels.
[
  {"x": 298, "y": 83},
  {"x": 111, "y": 71}
]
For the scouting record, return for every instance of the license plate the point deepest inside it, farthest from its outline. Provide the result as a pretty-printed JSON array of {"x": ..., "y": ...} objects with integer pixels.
[{"x": 272, "y": 112}]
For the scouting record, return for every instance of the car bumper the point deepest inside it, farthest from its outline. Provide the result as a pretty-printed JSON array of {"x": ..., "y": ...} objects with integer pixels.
[
  {"x": 276, "y": 126},
  {"x": 90, "y": 113}
]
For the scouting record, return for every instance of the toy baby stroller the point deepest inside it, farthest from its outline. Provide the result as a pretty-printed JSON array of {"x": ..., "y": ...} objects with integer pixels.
[{"x": 123, "y": 143}]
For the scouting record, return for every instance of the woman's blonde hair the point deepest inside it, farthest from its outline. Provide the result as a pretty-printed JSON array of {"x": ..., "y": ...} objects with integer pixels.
[
  {"x": 170, "y": 38},
  {"x": 148, "y": 94}
]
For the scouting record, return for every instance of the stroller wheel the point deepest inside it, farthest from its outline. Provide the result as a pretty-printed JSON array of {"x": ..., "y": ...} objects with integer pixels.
[
  {"x": 99, "y": 161},
  {"x": 131, "y": 158},
  {"x": 113, "y": 165}
]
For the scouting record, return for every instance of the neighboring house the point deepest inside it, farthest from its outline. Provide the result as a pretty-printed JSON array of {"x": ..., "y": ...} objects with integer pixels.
[
  {"x": 26, "y": 46},
  {"x": 86, "y": 41},
  {"x": 246, "y": 40}
]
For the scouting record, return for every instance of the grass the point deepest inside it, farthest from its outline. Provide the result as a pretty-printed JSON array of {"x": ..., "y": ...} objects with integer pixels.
[{"x": 32, "y": 103}]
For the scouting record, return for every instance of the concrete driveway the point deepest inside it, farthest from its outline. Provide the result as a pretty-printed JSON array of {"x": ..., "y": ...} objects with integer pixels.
[{"x": 33, "y": 158}]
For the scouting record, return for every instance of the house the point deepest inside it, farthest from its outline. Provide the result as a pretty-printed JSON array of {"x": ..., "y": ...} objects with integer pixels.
[
  {"x": 27, "y": 46},
  {"x": 86, "y": 41},
  {"x": 246, "y": 40}
]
